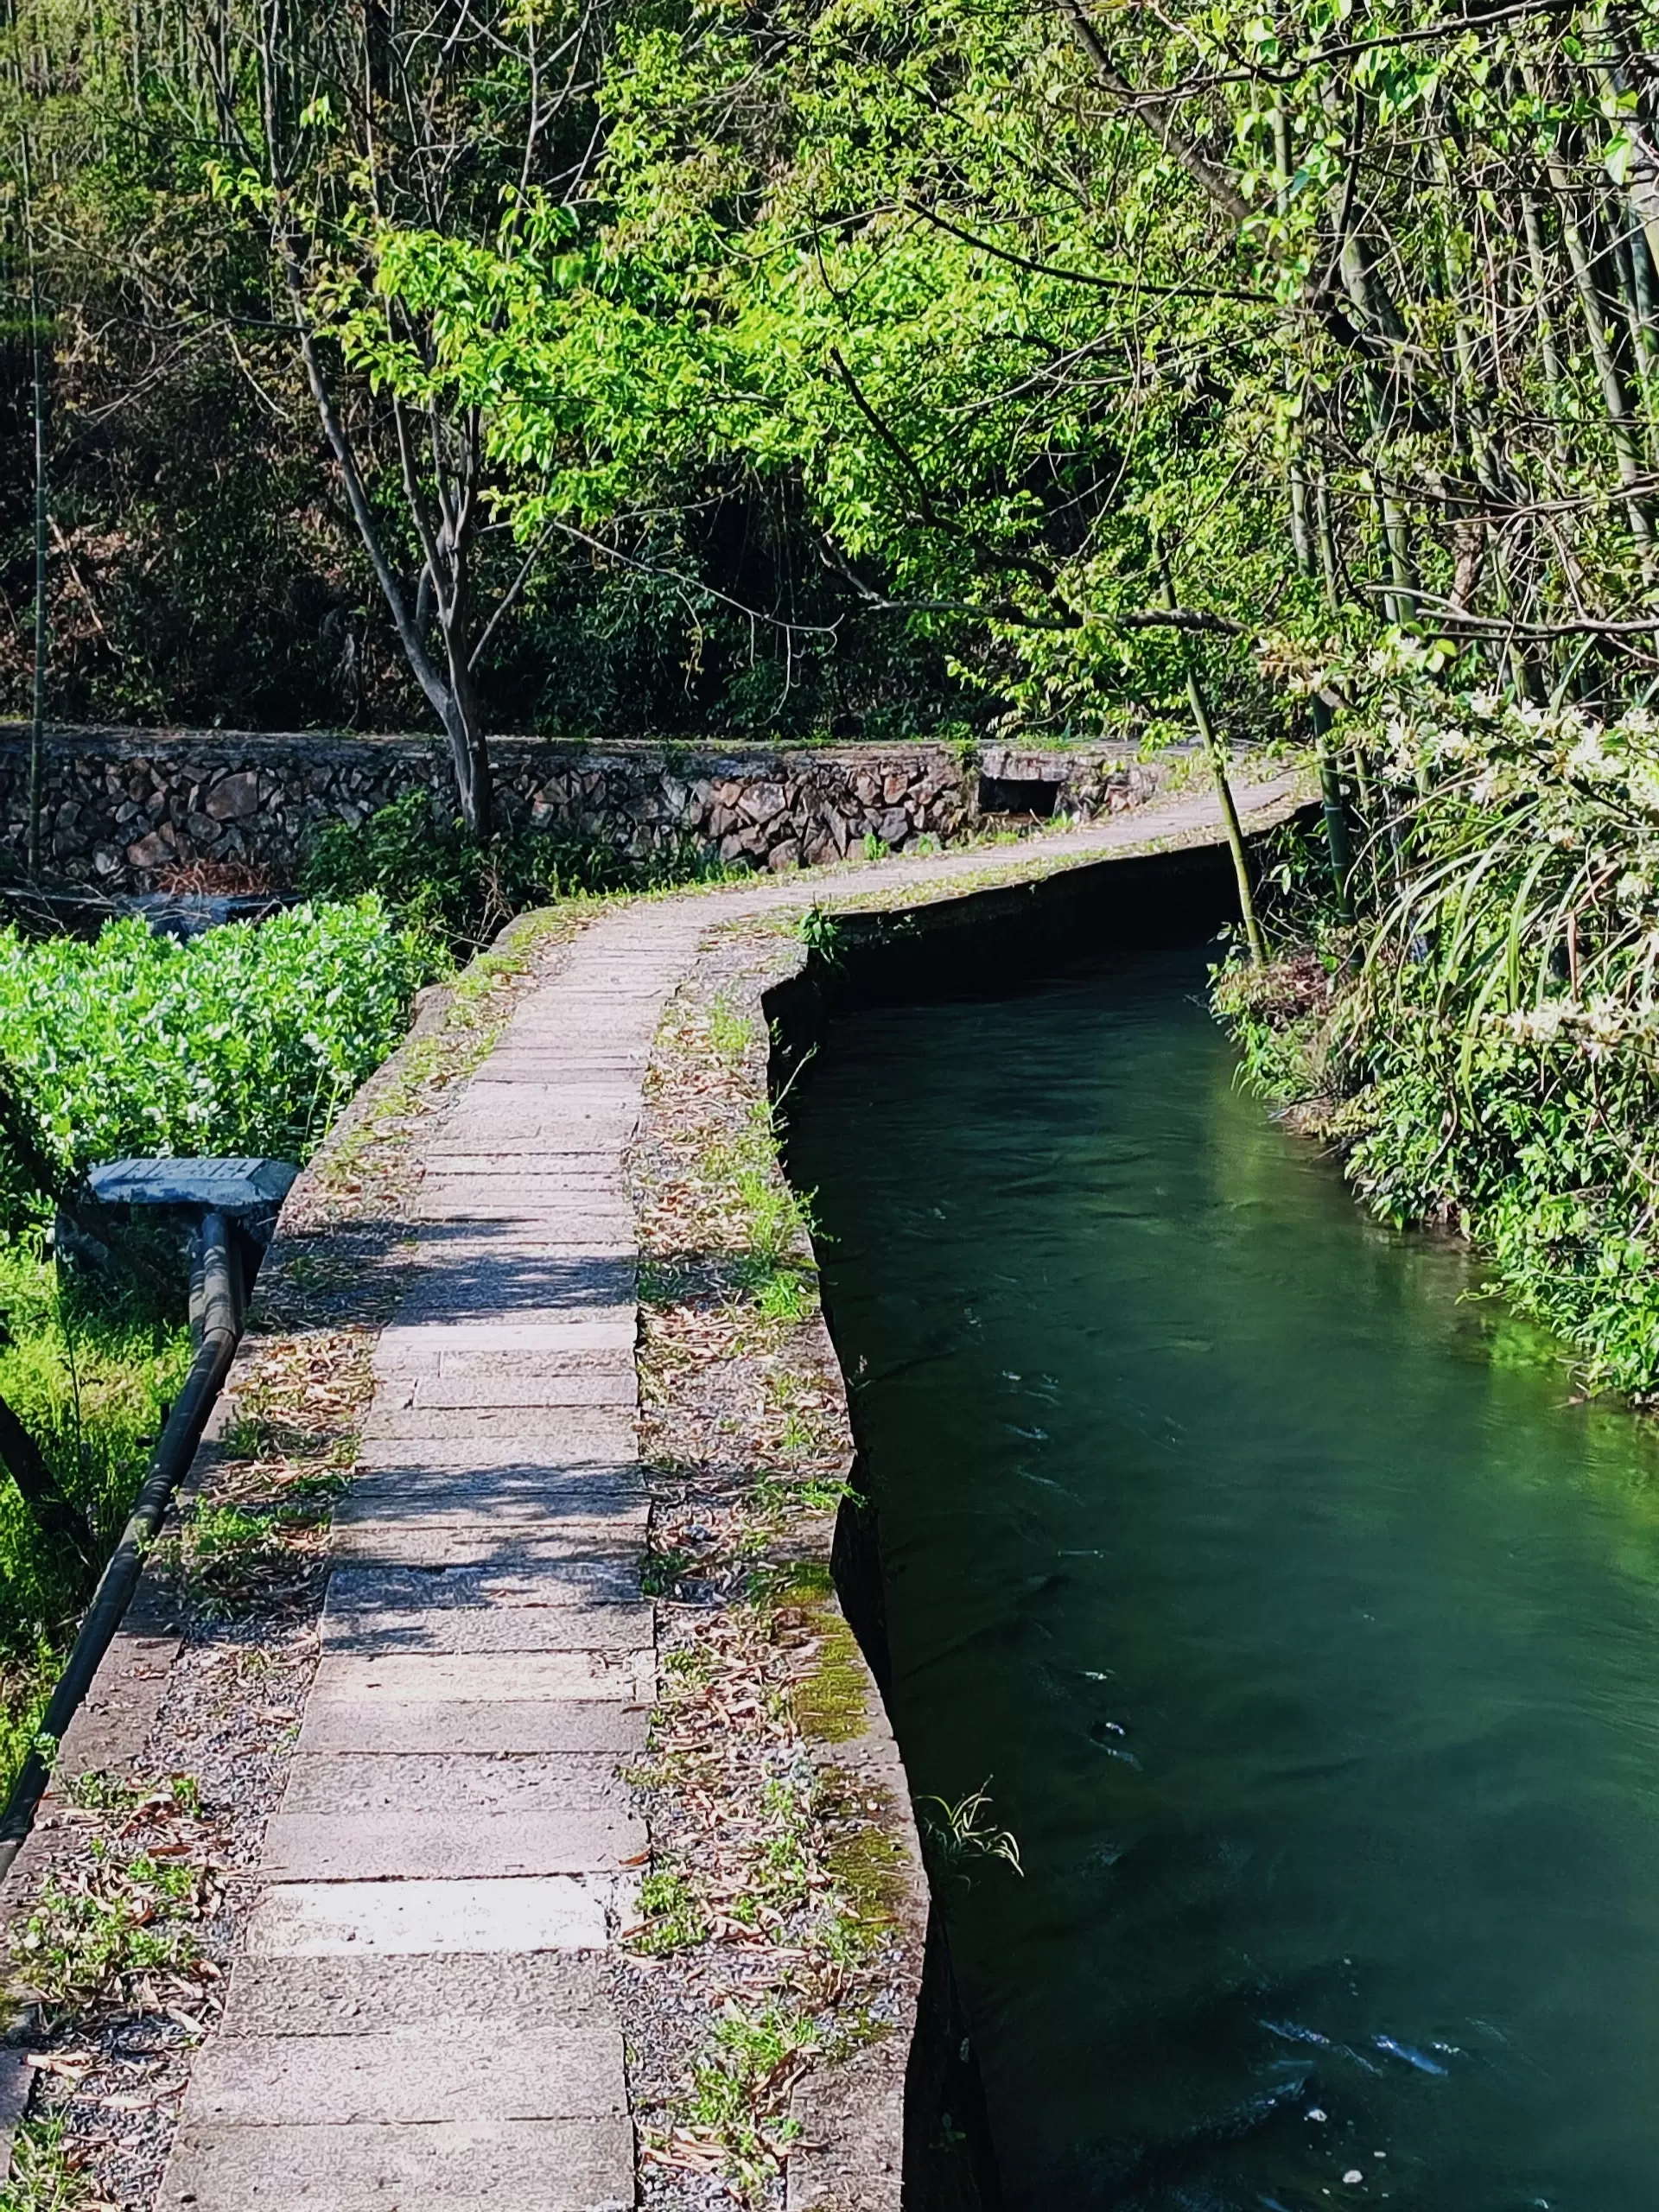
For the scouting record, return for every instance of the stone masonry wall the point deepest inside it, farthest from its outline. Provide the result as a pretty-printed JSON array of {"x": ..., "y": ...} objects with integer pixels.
[{"x": 120, "y": 806}]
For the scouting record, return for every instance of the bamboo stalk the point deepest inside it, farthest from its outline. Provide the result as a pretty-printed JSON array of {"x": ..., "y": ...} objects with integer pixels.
[
  {"x": 1628, "y": 456},
  {"x": 37, "y": 700},
  {"x": 1212, "y": 744}
]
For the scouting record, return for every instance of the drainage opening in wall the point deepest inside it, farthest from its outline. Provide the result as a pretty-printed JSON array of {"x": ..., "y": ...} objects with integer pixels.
[{"x": 1017, "y": 794}]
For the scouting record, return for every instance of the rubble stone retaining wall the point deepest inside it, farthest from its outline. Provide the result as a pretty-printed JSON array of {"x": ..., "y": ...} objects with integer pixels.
[{"x": 120, "y": 806}]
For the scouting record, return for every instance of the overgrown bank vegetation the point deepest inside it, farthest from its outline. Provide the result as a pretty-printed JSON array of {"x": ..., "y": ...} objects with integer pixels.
[{"x": 1485, "y": 1051}]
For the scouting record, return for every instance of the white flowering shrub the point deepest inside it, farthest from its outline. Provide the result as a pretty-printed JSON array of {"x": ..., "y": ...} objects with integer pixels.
[{"x": 1492, "y": 1060}]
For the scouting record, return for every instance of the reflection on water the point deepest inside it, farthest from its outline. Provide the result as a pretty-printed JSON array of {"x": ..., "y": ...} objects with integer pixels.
[{"x": 1309, "y": 1635}]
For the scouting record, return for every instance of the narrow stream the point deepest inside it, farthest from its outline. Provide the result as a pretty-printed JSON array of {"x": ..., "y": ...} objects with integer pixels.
[{"x": 1305, "y": 1635}]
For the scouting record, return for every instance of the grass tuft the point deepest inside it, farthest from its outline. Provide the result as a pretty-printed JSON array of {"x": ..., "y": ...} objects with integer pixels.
[{"x": 45, "y": 2176}]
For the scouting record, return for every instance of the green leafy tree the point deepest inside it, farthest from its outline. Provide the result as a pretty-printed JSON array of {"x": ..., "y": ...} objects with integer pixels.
[{"x": 248, "y": 157}]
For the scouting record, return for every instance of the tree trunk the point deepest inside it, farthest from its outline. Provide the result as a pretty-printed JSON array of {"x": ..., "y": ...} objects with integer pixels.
[
  {"x": 1625, "y": 432},
  {"x": 463, "y": 718},
  {"x": 1334, "y": 809},
  {"x": 37, "y": 706},
  {"x": 469, "y": 754},
  {"x": 1550, "y": 358},
  {"x": 1636, "y": 282},
  {"x": 1235, "y": 846},
  {"x": 452, "y": 699}
]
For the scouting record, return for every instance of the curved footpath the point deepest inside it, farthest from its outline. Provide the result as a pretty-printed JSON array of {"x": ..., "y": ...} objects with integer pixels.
[{"x": 417, "y": 2019}]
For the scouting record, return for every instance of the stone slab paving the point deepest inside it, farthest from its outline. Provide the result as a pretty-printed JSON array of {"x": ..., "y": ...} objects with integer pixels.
[{"x": 418, "y": 2020}]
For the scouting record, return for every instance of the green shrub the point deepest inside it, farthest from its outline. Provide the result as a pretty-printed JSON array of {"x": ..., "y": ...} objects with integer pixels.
[
  {"x": 244, "y": 1040},
  {"x": 439, "y": 880}
]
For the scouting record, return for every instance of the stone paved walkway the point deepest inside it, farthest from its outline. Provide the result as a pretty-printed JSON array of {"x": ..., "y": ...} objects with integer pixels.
[{"x": 419, "y": 2019}]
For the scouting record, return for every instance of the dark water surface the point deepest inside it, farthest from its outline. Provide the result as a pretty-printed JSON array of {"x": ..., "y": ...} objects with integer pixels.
[{"x": 1308, "y": 1637}]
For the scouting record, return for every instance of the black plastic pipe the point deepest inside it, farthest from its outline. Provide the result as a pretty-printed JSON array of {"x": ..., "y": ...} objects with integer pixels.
[{"x": 221, "y": 1327}]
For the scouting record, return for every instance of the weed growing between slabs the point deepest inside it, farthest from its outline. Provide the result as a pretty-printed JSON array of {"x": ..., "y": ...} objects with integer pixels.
[
  {"x": 771, "y": 1926},
  {"x": 109, "y": 1974},
  {"x": 124, "y": 1914},
  {"x": 44, "y": 2176}
]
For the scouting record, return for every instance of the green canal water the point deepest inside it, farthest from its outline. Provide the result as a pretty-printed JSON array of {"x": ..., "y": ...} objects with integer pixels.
[{"x": 1306, "y": 1634}]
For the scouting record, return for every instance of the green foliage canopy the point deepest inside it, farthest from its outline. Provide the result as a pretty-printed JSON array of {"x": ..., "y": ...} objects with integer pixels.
[{"x": 1332, "y": 326}]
